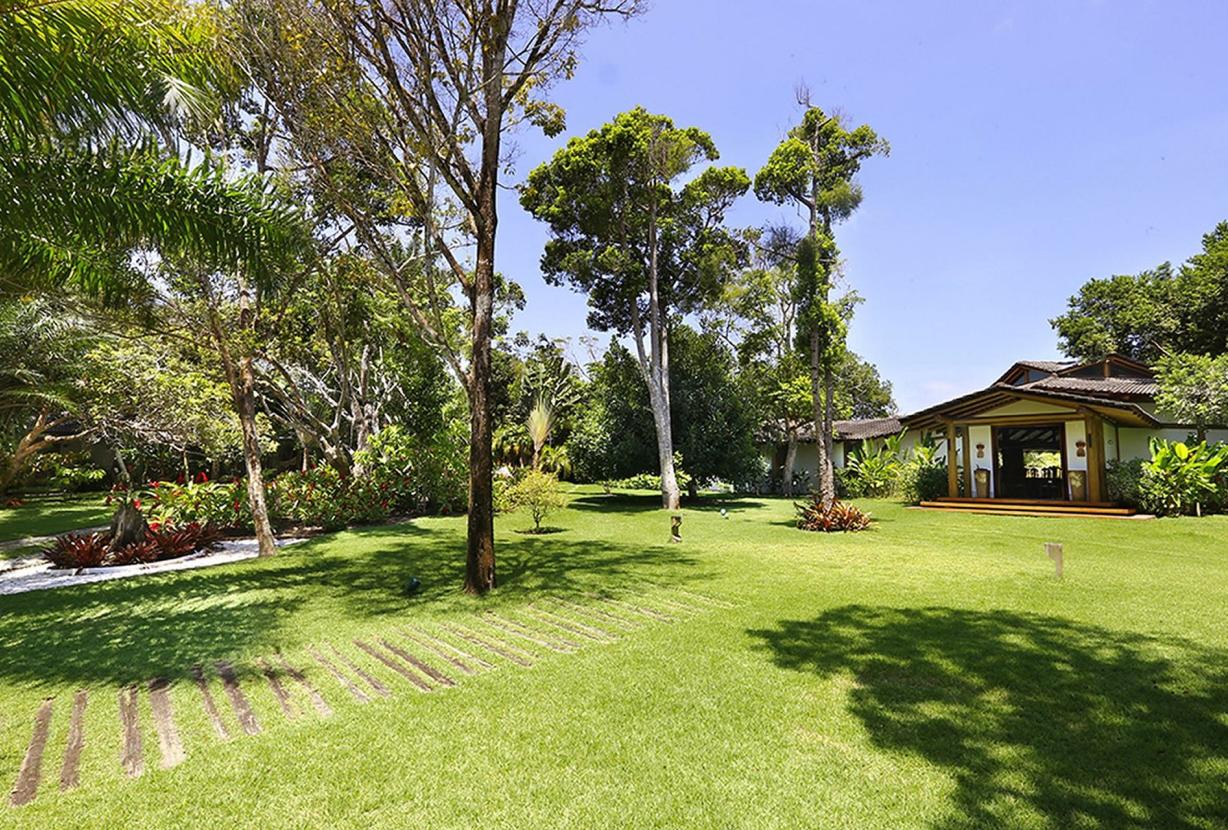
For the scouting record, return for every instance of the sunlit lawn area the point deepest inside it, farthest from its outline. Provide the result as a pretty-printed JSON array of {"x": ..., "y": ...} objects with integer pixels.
[
  {"x": 45, "y": 515},
  {"x": 929, "y": 673}
]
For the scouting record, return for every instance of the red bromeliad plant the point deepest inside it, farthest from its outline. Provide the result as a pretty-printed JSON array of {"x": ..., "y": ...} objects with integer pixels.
[
  {"x": 160, "y": 543},
  {"x": 79, "y": 550},
  {"x": 839, "y": 517}
]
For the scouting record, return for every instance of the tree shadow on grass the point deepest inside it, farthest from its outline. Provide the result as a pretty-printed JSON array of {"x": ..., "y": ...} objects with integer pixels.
[
  {"x": 160, "y": 625},
  {"x": 1039, "y": 720},
  {"x": 645, "y": 502}
]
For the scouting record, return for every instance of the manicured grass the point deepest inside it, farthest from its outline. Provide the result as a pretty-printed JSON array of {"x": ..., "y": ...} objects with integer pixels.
[
  {"x": 46, "y": 515},
  {"x": 928, "y": 673}
]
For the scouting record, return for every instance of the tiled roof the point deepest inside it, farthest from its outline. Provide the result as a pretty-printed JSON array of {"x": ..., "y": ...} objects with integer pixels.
[
  {"x": 1112, "y": 386},
  {"x": 856, "y": 430},
  {"x": 1047, "y": 365}
]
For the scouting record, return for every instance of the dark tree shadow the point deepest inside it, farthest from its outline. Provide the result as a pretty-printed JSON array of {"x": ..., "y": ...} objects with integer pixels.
[
  {"x": 1033, "y": 715},
  {"x": 130, "y": 630},
  {"x": 645, "y": 502}
]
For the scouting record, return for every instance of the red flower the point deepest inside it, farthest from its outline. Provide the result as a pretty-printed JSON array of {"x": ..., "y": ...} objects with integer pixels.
[
  {"x": 201, "y": 478},
  {"x": 136, "y": 503},
  {"x": 179, "y": 479},
  {"x": 236, "y": 505}
]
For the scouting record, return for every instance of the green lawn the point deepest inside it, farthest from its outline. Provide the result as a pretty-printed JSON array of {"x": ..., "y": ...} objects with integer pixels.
[
  {"x": 46, "y": 515},
  {"x": 928, "y": 673}
]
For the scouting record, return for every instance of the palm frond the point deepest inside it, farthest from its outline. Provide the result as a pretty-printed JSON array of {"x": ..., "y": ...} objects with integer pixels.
[
  {"x": 88, "y": 67},
  {"x": 71, "y": 217}
]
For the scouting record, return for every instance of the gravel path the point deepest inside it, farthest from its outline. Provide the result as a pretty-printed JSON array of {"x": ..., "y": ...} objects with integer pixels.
[{"x": 38, "y": 575}]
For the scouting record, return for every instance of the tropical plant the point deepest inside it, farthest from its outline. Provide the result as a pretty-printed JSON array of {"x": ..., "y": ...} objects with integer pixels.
[
  {"x": 539, "y": 425},
  {"x": 537, "y": 492},
  {"x": 76, "y": 551},
  {"x": 1180, "y": 478},
  {"x": 878, "y": 467},
  {"x": 923, "y": 477},
  {"x": 837, "y": 517},
  {"x": 1124, "y": 481}
]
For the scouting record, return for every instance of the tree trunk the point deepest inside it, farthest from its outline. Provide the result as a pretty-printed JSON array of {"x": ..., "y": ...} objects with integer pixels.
[
  {"x": 827, "y": 473},
  {"x": 242, "y": 380},
  {"x": 790, "y": 463},
  {"x": 127, "y": 526},
  {"x": 816, "y": 390},
  {"x": 671, "y": 497},
  {"x": 245, "y": 405},
  {"x": 480, "y": 552}
]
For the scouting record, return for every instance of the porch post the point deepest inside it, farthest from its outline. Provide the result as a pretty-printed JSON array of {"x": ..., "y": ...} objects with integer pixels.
[
  {"x": 952, "y": 466},
  {"x": 967, "y": 463},
  {"x": 1095, "y": 457}
]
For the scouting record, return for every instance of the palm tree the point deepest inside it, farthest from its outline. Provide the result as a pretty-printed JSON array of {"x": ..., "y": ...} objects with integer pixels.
[
  {"x": 89, "y": 90},
  {"x": 91, "y": 95}
]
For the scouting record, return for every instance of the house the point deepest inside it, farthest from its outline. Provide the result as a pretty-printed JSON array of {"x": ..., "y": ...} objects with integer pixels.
[{"x": 1045, "y": 431}]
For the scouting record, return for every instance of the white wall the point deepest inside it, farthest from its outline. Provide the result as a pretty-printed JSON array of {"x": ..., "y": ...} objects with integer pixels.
[{"x": 982, "y": 434}]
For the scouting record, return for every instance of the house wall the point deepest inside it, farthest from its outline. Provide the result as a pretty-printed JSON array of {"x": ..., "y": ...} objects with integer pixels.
[
  {"x": 982, "y": 435},
  {"x": 1026, "y": 408},
  {"x": 1135, "y": 443}
]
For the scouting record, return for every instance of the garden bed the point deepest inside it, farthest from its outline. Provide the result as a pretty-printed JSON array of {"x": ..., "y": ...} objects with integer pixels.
[{"x": 40, "y": 575}]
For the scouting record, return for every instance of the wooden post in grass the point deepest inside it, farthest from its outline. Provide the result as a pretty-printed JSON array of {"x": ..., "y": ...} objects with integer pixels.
[
  {"x": 1054, "y": 549},
  {"x": 675, "y": 528}
]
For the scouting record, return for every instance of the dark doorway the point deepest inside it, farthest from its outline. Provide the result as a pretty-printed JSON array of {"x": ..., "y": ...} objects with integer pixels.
[{"x": 1030, "y": 462}]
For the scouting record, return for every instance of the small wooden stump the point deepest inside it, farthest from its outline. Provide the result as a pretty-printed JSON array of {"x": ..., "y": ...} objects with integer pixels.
[
  {"x": 1054, "y": 550},
  {"x": 675, "y": 528}
]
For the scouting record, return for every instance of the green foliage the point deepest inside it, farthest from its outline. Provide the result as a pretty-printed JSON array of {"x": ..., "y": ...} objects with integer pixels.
[
  {"x": 923, "y": 477},
  {"x": 819, "y": 156},
  {"x": 838, "y": 517},
  {"x": 1124, "y": 480},
  {"x": 218, "y": 503},
  {"x": 877, "y": 466},
  {"x": 713, "y": 422},
  {"x": 609, "y": 195},
  {"x": 1179, "y": 479},
  {"x": 322, "y": 497},
  {"x": 538, "y": 493},
  {"x": 1162, "y": 310},
  {"x": 414, "y": 474},
  {"x": 1193, "y": 390},
  {"x": 849, "y": 485}
]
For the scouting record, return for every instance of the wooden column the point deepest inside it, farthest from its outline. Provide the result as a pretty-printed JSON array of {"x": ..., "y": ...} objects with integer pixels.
[
  {"x": 967, "y": 463},
  {"x": 952, "y": 467},
  {"x": 1095, "y": 458}
]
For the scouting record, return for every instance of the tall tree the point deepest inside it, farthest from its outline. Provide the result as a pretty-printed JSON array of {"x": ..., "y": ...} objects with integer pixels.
[
  {"x": 415, "y": 98},
  {"x": 1146, "y": 315},
  {"x": 642, "y": 247},
  {"x": 1194, "y": 390},
  {"x": 815, "y": 168}
]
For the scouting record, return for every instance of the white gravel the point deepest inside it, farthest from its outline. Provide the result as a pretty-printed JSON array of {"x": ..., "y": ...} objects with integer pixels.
[{"x": 38, "y": 575}]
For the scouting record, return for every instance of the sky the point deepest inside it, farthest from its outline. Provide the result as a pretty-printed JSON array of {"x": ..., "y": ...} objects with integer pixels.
[{"x": 1033, "y": 146}]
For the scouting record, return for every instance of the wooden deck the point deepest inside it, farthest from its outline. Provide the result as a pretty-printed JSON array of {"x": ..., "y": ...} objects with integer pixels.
[{"x": 1033, "y": 507}]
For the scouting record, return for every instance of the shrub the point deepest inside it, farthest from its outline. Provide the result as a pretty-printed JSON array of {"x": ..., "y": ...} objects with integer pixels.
[
  {"x": 537, "y": 492},
  {"x": 922, "y": 480},
  {"x": 77, "y": 550},
  {"x": 1180, "y": 479},
  {"x": 849, "y": 485},
  {"x": 322, "y": 497},
  {"x": 221, "y": 504},
  {"x": 840, "y": 517},
  {"x": 878, "y": 468},
  {"x": 1124, "y": 480},
  {"x": 415, "y": 474}
]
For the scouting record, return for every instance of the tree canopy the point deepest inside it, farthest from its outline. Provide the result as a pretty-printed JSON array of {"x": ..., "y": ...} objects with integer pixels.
[{"x": 1160, "y": 310}]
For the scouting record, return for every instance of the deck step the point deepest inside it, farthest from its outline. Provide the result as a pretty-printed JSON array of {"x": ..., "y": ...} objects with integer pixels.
[{"x": 1056, "y": 509}]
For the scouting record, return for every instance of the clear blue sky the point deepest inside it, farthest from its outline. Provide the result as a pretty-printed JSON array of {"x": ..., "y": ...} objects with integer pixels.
[{"x": 1034, "y": 145}]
